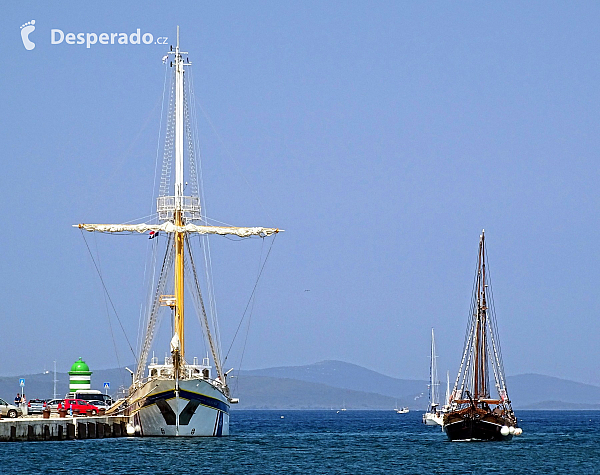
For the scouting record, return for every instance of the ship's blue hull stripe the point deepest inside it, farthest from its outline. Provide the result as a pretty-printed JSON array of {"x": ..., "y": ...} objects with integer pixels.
[{"x": 201, "y": 398}]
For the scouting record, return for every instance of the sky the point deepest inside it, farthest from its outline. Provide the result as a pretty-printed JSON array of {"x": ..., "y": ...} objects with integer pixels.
[{"x": 381, "y": 136}]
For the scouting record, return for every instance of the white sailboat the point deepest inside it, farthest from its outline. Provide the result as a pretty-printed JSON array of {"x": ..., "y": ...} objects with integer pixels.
[
  {"x": 433, "y": 415},
  {"x": 178, "y": 397}
]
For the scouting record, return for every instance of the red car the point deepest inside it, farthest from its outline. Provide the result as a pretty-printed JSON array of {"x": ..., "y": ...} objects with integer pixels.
[{"x": 78, "y": 406}]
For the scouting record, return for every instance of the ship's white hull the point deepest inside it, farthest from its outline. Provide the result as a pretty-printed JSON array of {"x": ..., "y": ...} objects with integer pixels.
[
  {"x": 197, "y": 409},
  {"x": 432, "y": 419}
]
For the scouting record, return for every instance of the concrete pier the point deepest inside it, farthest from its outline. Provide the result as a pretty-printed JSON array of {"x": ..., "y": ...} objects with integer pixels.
[{"x": 62, "y": 428}]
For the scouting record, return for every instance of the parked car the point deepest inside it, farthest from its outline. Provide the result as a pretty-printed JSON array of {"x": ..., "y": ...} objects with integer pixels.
[
  {"x": 78, "y": 406},
  {"x": 36, "y": 406},
  {"x": 100, "y": 404},
  {"x": 9, "y": 410},
  {"x": 52, "y": 404}
]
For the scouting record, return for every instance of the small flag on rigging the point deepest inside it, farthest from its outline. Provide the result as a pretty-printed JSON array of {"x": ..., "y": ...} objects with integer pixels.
[{"x": 153, "y": 234}]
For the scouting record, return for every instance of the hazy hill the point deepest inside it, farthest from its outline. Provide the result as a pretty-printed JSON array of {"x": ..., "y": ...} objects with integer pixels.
[
  {"x": 263, "y": 392},
  {"x": 347, "y": 376},
  {"x": 560, "y": 405},
  {"x": 533, "y": 391},
  {"x": 527, "y": 391}
]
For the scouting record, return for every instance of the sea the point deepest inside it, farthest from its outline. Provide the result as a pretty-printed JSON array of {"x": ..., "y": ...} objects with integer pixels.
[{"x": 326, "y": 442}]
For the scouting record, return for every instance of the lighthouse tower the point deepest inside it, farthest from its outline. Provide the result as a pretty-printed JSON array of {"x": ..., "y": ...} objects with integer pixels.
[{"x": 79, "y": 377}]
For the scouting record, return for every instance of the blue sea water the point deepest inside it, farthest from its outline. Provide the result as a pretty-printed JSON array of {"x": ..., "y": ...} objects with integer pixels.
[{"x": 326, "y": 442}]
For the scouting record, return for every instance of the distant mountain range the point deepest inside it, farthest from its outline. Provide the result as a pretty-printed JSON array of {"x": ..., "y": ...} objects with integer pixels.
[
  {"x": 331, "y": 385},
  {"x": 527, "y": 391},
  {"x": 535, "y": 391},
  {"x": 367, "y": 386}
]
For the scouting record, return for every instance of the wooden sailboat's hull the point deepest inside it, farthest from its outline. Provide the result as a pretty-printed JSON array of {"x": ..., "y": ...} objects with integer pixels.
[
  {"x": 198, "y": 409},
  {"x": 476, "y": 426}
]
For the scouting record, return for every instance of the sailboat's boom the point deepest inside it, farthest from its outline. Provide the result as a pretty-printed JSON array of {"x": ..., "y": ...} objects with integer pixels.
[{"x": 169, "y": 227}]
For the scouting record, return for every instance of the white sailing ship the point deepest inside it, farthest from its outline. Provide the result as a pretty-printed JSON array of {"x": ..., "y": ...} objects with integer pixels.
[
  {"x": 433, "y": 416},
  {"x": 178, "y": 397}
]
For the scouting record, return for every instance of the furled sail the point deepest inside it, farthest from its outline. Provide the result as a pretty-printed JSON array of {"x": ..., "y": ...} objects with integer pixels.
[{"x": 169, "y": 227}]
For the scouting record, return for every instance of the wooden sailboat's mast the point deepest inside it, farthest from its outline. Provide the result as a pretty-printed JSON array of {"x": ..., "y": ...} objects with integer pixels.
[
  {"x": 178, "y": 215},
  {"x": 480, "y": 362}
]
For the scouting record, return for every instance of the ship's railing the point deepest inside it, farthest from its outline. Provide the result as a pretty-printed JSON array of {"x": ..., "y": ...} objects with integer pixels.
[
  {"x": 188, "y": 371},
  {"x": 189, "y": 205}
]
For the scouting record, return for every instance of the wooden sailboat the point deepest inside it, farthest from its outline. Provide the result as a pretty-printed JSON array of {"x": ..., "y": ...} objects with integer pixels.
[
  {"x": 474, "y": 413},
  {"x": 433, "y": 415},
  {"x": 180, "y": 397}
]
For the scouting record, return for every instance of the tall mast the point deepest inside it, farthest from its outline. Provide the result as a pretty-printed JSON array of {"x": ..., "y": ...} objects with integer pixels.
[
  {"x": 480, "y": 376},
  {"x": 447, "y": 387},
  {"x": 178, "y": 215},
  {"x": 432, "y": 373}
]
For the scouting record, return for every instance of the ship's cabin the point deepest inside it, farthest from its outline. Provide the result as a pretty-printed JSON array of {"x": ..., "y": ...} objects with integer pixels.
[{"x": 188, "y": 371}]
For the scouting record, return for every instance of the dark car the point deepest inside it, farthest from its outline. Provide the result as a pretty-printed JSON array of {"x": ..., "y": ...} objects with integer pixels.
[{"x": 36, "y": 406}]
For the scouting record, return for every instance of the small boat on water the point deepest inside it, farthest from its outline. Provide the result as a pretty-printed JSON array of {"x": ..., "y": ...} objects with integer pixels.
[
  {"x": 403, "y": 410},
  {"x": 474, "y": 413},
  {"x": 433, "y": 416}
]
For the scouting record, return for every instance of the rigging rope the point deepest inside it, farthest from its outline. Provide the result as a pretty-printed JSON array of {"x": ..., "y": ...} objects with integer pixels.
[
  {"x": 153, "y": 315},
  {"x": 230, "y": 156},
  {"x": 108, "y": 295},
  {"x": 200, "y": 303},
  {"x": 251, "y": 296},
  {"x": 154, "y": 245},
  {"x": 203, "y": 241},
  {"x": 112, "y": 334},
  {"x": 237, "y": 382}
]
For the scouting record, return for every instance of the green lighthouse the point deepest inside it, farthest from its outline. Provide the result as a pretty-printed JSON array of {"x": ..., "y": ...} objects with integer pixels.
[{"x": 79, "y": 377}]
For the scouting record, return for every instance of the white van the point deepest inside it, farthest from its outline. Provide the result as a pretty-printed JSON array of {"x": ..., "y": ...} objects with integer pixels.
[{"x": 91, "y": 395}]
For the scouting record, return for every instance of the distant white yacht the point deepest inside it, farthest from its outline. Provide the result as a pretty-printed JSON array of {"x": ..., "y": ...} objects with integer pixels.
[{"x": 433, "y": 416}]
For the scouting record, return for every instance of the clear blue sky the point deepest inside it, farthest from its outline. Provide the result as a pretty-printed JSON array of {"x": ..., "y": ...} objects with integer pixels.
[{"x": 382, "y": 136}]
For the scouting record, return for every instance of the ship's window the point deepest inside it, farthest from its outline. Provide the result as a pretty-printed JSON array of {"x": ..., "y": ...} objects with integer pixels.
[{"x": 153, "y": 372}]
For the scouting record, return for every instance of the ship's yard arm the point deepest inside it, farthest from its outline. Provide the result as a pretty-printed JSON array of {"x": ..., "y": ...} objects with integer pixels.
[{"x": 169, "y": 227}]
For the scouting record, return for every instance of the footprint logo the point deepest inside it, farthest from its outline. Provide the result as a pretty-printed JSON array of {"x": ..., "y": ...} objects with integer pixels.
[{"x": 25, "y": 30}]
